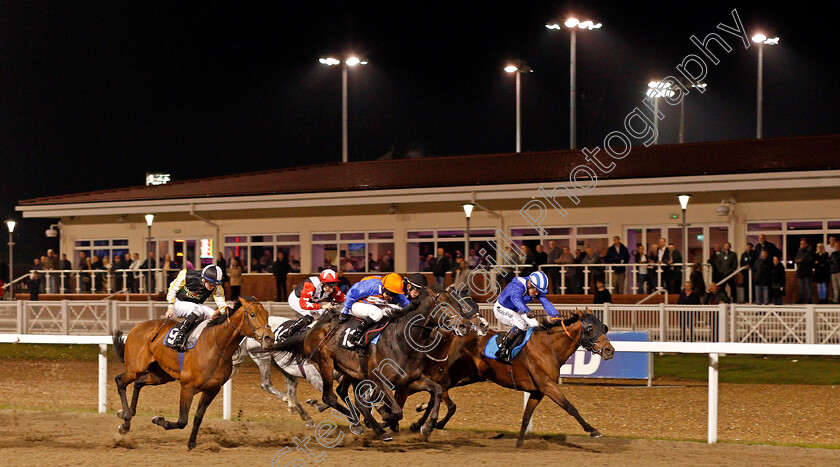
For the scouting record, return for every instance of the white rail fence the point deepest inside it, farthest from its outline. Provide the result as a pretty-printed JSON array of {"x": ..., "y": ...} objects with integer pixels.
[
  {"x": 714, "y": 350},
  {"x": 795, "y": 324}
]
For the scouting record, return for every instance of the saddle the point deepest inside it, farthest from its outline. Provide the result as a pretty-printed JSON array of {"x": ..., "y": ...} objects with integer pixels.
[
  {"x": 372, "y": 335},
  {"x": 282, "y": 327},
  {"x": 192, "y": 337},
  {"x": 492, "y": 345}
]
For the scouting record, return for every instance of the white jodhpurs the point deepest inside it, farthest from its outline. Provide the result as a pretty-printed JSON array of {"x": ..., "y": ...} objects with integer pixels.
[
  {"x": 294, "y": 302},
  {"x": 367, "y": 310},
  {"x": 510, "y": 317},
  {"x": 183, "y": 309}
]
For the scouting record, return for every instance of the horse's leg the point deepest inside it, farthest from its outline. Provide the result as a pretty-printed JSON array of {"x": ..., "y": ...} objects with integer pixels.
[
  {"x": 329, "y": 397},
  {"x": 314, "y": 378},
  {"x": 370, "y": 421},
  {"x": 154, "y": 377},
  {"x": 436, "y": 391},
  {"x": 123, "y": 380},
  {"x": 206, "y": 398},
  {"x": 450, "y": 409},
  {"x": 264, "y": 364},
  {"x": 291, "y": 390},
  {"x": 187, "y": 394},
  {"x": 401, "y": 394},
  {"x": 534, "y": 399},
  {"x": 552, "y": 390}
]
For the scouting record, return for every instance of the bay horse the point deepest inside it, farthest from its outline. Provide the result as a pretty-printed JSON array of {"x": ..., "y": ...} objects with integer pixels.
[
  {"x": 402, "y": 347},
  {"x": 535, "y": 370},
  {"x": 206, "y": 366}
]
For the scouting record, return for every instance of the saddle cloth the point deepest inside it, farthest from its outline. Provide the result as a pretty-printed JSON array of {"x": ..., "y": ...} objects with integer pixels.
[
  {"x": 192, "y": 337},
  {"x": 492, "y": 345}
]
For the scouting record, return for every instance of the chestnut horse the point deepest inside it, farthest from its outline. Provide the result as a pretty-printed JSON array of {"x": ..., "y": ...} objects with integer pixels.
[
  {"x": 206, "y": 366},
  {"x": 535, "y": 370}
]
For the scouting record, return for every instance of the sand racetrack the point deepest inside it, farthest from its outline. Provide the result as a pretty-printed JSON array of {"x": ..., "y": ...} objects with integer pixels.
[{"x": 43, "y": 423}]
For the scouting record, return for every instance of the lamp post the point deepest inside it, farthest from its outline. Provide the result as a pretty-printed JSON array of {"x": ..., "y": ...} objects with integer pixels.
[
  {"x": 761, "y": 40},
  {"x": 11, "y": 225},
  {"x": 468, "y": 209},
  {"x": 518, "y": 67},
  {"x": 349, "y": 61},
  {"x": 684, "y": 204},
  {"x": 573, "y": 24},
  {"x": 657, "y": 89},
  {"x": 149, "y": 219}
]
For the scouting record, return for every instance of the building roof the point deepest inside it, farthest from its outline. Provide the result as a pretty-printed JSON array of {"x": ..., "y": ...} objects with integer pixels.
[{"x": 806, "y": 153}]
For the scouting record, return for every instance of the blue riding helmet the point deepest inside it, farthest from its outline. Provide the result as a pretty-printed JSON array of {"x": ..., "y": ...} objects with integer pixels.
[{"x": 539, "y": 280}]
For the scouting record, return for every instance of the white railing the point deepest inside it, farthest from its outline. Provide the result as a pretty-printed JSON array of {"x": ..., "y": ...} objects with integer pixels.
[
  {"x": 68, "y": 281},
  {"x": 656, "y": 275},
  {"x": 714, "y": 350}
]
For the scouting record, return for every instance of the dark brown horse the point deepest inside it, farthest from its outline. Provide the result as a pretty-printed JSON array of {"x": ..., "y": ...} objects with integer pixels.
[
  {"x": 206, "y": 366},
  {"x": 535, "y": 370},
  {"x": 402, "y": 350}
]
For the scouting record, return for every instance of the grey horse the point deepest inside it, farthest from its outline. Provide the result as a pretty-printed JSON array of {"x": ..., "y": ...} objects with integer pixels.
[{"x": 265, "y": 359}]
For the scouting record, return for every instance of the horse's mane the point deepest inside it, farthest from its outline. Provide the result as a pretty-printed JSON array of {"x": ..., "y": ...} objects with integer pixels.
[
  {"x": 568, "y": 322},
  {"x": 222, "y": 317}
]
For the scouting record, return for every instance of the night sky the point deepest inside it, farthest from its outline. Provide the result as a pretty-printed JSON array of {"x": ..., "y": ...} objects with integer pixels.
[{"x": 95, "y": 94}]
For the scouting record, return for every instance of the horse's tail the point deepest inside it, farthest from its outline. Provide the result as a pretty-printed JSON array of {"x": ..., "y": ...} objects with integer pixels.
[
  {"x": 293, "y": 346},
  {"x": 119, "y": 345}
]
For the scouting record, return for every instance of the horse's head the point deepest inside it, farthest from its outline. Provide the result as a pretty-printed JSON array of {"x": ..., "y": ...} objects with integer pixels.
[
  {"x": 470, "y": 311},
  {"x": 593, "y": 335},
  {"x": 450, "y": 311},
  {"x": 255, "y": 319}
]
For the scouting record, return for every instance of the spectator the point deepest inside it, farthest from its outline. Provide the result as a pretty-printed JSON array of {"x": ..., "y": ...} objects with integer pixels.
[
  {"x": 763, "y": 244},
  {"x": 52, "y": 265},
  {"x": 135, "y": 277},
  {"x": 107, "y": 282},
  {"x": 117, "y": 277},
  {"x": 663, "y": 256},
  {"x": 371, "y": 263},
  {"x": 716, "y": 295},
  {"x": 384, "y": 264},
  {"x": 572, "y": 273},
  {"x": 594, "y": 273},
  {"x": 34, "y": 285},
  {"x": 256, "y": 267},
  {"x": 688, "y": 296},
  {"x": 439, "y": 268},
  {"x": 655, "y": 272},
  {"x": 834, "y": 269},
  {"x": 235, "y": 275},
  {"x": 86, "y": 276},
  {"x": 473, "y": 259},
  {"x": 295, "y": 264},
  {"x": 747, "y": 259},
  {"x": 762, "y": 278},
  {"x": 602, "y": 295},
  {"x": 281, "y": 269},
  {"x": 822, "y": 274},
  {"x": 553, "y": 258},
  {"x": 714, "y": 263},
  {"x": 170, "y": 268},
  {"x": 64, "y": 264},
  {"x": 150, "y": 280},
  {"x": 618, "y": 254},
  {"x": 343, "y": 282},
  {"x": 777, "y": 281},
  {"x": 222, "y": 264},
  {"x": 422, "y": 266},
  {"x": 530, "y": 259},
  {"x": 675, "y": 260},
  {"x": 728, "y": 263},
  {"x": 540, "y": 257},
  {"x": 347, "y": 264},
  {"x": 832, "y": 245},
  {"x": 460, "y": 278},
  {"x": 188, "y": 265},
  {"x": 698, "y": 282},
  {"x": 804, "y": 270}
]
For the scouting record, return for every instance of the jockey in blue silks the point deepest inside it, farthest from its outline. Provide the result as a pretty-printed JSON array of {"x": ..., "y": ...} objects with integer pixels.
[
  {"x": 368, "y": 300},
  {"x": 511, "y": 307}
]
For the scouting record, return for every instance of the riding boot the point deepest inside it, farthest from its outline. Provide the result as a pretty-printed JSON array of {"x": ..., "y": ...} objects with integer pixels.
[
  {"x": 358, "y": 334},
  {"x": 503, "y": 354},
  {"x": 295, "y": 327},
  {"x": 185, "y": 328}
]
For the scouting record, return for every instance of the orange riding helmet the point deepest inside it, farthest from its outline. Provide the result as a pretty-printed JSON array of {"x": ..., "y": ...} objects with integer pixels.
[{"x": 393, "y": 283}]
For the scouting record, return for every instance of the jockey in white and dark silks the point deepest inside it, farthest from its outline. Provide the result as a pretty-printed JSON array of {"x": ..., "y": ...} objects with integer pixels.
[
  {"x": 307, "y": 300},
  {"x": 415, "y": 289},
  {"x": 366, "y": 300},
  {"x": 187, "y": 294},
  {"x": 511, "y": 307}
]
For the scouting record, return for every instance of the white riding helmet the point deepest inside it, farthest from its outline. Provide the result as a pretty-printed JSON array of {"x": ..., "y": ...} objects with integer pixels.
[{"x": 212, "y": 274}]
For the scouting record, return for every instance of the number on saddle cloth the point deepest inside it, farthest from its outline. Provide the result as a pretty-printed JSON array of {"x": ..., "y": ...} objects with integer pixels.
[
  {"x": 192, "y": 337},
  {"x": 492, "y": 345}
]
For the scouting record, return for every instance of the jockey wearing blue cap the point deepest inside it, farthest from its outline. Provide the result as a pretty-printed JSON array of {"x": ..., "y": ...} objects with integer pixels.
[{"x": 511, "y": 307}]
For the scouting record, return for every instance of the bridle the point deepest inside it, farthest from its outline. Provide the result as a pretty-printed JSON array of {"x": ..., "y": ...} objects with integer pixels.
[{"x": 253, "y": 329}]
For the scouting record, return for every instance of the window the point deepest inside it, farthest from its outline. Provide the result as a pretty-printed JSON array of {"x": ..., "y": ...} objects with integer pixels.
[
  {"x": 422, "y": 246},
  {"x": 577, "y": 237},
  {"x": 353, "y": 251},
  {"x": 258, "y": 252},
  {"x": 786, "y": 235},
  {"x": 101, "y": 248}
]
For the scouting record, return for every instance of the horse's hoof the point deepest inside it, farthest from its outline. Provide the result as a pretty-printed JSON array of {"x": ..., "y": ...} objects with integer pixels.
[
  {"x": 191, "y": 445},
  {"x": 519, "y": 443},
  {"x": 420, "y": 407},
  {"x": 158, "y": 420},
  {"x": 312, "y": 402},
  {"x": 440, "y": 426},
  {"x": 310, "y": 423},
  {"x": 426, "y": 430},
  {"x": 395, "y": 427},
  {"x": 386, "y": 437},
  {"x": 119, "y": 414},
  {"x": 122, "y": 429},
  {"x": 414, "y": 427},
  {"x": 357, "y": 430},
  {"x": 595, "y": 434}
]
